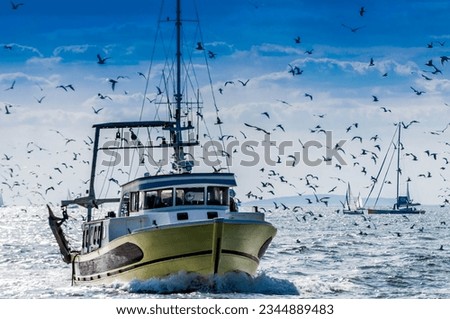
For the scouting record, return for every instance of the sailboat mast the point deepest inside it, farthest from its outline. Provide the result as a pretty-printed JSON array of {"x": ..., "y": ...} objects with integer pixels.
[
  {"x": 398, "y": 161},
  {"x": 349, "y": 196}
]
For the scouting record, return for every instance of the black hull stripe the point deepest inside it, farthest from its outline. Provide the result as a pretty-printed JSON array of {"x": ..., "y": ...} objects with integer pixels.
[
  {"x": 199, "y": 253},
  {"x": 239, "y": 253}
]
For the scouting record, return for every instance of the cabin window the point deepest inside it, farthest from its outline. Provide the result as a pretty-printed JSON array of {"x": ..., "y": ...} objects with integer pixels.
[
  {"x": 134, "y": 202},
  {"x": 190, "y": 196},
  {"x": 158, "y": 198},
  {"x": 217, "y": 195}
]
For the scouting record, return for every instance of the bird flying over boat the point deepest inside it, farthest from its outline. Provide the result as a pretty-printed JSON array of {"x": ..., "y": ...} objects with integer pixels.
[
  {"x": 243, "y": 83},
  {"x": 12, "y": 86},
  {"x": 417, "y": 91},
  {"x": 257, "y": 128},
  {"x": 101, "y": 60},
  {"x": 16, "y": 6},
  {"x": 362, "y": 10},
  {"x": 352, "y": 29}
]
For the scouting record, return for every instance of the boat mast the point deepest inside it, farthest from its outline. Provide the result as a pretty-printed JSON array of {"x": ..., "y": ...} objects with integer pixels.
[
  {"x": 91, "y": 195},
  {"x": 398, "y": 162},
  {"x": 176, "y": 135},
  {"x": 348, "y": 196}
]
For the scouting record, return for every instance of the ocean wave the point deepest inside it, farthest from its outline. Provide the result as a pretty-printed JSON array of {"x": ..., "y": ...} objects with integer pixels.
[{"x": 217, "y": 284}]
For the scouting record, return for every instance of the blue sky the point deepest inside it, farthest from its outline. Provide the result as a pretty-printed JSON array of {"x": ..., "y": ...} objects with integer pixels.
[{"x": 46, "y": 44}]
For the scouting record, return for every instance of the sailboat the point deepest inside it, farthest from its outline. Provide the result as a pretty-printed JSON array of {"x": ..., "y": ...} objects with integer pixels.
[
  {"x": 352, "y": 206},
  {"x": 1, "y": 200},
  {"x": 403, "y": 204},
  {"x": 164, "y": 223}
]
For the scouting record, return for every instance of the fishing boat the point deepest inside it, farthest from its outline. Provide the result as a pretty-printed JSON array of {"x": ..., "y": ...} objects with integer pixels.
[
  {"x": 352, "y": 206},
  {"x": 403, "y": 204},
  {"x": 182, "y": 221}
]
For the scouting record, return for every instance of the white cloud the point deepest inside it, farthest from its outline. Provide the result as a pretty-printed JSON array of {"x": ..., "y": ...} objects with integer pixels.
[
  {"x": 44, "y": 62},
  {"x": 23, "y": 48},
  {"x": 82, "y": 48}
]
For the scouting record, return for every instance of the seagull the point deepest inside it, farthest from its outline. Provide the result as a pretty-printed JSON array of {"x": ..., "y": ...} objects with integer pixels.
[
  {"x": 280, "y": 126},
  {"x": 40, "y": 99},
  {"x": 12, "y": 86},
  {"x": 429, "y": 63},
  {"x": 101, "y": 60},
  {"x": 103, "y": 97},
  {"x": 244, "y": 83},
  {"x": 284, "y": 102},
  {"x": 257, "y": 128},
  {"x": 444, "y": 59},
  {"x": 416, "y": 91},
  {"x": 211, "y": 54},
  {"x": 16, "y": 6},
  {"x": 218, "y": 121},
  {"x": 362, "y": 11},
  {"x": 352, "y": 29},
  {"x": 295, "y": 70},
  {"x": 199, "y": 46},
  {"x": 434, "y": 155},
  {"x": 113, "y": 83},
  {"x": 114, "y": 180},
  {"x": 266, "y": 114},
  {"x": 412, "y": 155},
  {"x": 96, "y": 111},
  {"x": 297, "y": 39},
  {"x": 309, "y": 95},
  {"x": 405, "y": 126},
  {"x": 65, "y": 87},
  {"x": 68, "y": 140}
]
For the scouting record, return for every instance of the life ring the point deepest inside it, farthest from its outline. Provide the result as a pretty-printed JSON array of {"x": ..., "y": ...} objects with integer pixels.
[{"x": 189, "y": 196}]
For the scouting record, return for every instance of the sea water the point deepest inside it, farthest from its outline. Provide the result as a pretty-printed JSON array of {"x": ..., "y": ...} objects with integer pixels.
[{"x": 316, "y": 254}]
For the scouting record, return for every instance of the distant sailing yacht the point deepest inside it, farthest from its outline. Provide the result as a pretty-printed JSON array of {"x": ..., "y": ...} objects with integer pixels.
[
  {"x": 403, "y": 204},
  {"x": 1, "y": 200},
  {"x": 352, "y": 206}
]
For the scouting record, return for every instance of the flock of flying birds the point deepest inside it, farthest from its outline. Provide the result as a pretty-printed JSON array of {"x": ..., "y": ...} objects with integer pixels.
[
  {"x": 366, "y": 159},
  {"x": 369, "y": 153}
]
